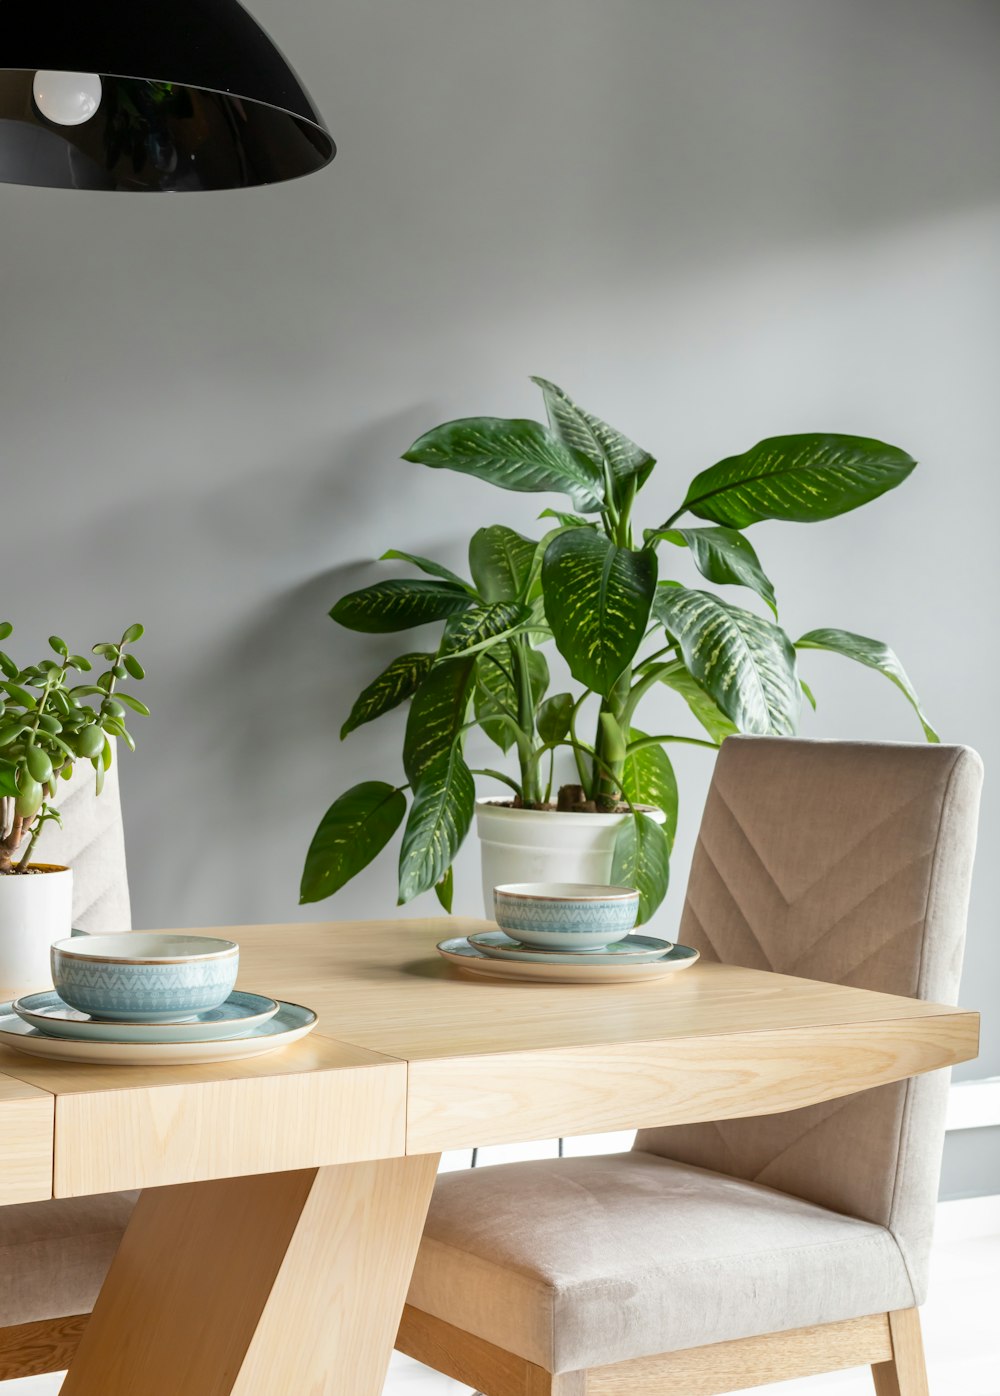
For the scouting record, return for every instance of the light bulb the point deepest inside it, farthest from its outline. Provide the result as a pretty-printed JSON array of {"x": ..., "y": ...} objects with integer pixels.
[{"x": 68, "y": 99}]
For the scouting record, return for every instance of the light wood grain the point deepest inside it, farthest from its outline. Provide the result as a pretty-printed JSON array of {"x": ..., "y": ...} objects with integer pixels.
[
  {"x": 530, "y": 1095},
  {"x": 31, "y": 1349},
  {"x": 475, "y": 1362},
  {"x": 489, "y": 1062},
  {"x": 746, "y": 1362},
  {"x": 905, "y": 1373},
  {"x": 705, "y": 1371},
  {"x": 320, "y": 1102},
  {"x": 292, "y": 1282},
  {"x": 332, "y": 1316},
  {"x": 381, "y": 985},
  {"x": 26, "y": 1129}
]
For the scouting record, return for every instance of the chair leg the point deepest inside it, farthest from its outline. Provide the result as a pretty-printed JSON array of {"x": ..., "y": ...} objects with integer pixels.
[{"x": 905, "y": 1374}]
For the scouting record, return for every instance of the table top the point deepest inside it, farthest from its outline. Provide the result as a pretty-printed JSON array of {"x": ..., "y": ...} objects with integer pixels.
[{"x": 412, "y": 1056}]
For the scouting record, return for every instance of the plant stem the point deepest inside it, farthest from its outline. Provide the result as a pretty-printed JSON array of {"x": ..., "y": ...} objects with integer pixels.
[
  {"x": 581, "y": 765},
  {"x": 643, "y": 742},
  {"x": 25, "y": 859},
  {"x": 652, "y": 658},
  {"x": 641, "y": 687},
  {"x": 499, "y": 775},
  {"x": 609, "y": 764},
  {"x": 531, "y": 790}
]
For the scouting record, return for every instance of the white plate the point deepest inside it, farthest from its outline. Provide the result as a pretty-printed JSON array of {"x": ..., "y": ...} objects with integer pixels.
[
  {"x": 237, "y": 1017},
  {"x": 289, "y": 1024},
  {"x": 459, "y": 952},
  {"x": 636, "y": 949}
]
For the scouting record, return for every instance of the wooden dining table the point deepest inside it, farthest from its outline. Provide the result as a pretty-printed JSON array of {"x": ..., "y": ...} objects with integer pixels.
[{"x": 283, "y": 1197}]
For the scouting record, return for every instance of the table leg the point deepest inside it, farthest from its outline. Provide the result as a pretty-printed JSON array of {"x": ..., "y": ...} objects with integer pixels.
[{"x": 271, "y": 1285}]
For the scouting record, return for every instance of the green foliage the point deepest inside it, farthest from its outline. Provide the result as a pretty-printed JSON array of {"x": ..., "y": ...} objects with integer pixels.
[
  {"x": 590, "y": 588},
  {"x": 500, "y": 562},
  {"x": 399, "y": 681},
  {"x": 48, "y": 721},
  {"x": 798, "y": 478},
  {"x": 642, "y": 861},
  {"x": 744, "y": 662},
  {"x": 875, "y": 655},
  {"x": 442, "y": 809},
  {"x": 390, "y": 606},
  {"x": 597, "y": 599},
  {"x": 648, "y": 779},
  {"x": 354, "y": 830},
  {"x": 723, "y": 555},
  {"x": 516, "y": 455}
]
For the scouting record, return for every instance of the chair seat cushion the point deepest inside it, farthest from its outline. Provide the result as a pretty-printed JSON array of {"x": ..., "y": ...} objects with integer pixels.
[
  {"x": 577, "y": 1263},
  {"x": 54, "y": 1255}
]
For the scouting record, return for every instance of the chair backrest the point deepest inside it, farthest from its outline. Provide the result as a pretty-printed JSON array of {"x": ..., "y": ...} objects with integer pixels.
[
  {"x": 847, "y": 862},
  {"x": 91, "y": 841}
]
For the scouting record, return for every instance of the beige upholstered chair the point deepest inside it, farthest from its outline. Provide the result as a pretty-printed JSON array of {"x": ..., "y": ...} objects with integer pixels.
[
  {"x": 55, "y": 1254},
  {"x": 719, "y": 1256}
]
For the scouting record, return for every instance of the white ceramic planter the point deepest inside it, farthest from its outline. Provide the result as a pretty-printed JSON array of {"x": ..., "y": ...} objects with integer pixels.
[
  {"x": 527, "y": 845},
  {"x": 35, "y": 910}
]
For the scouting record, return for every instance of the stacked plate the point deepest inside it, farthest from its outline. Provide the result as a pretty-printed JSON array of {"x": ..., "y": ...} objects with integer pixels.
[
  {"x": 144, "y": 1000},
  {"x": 567, "y": 933}
]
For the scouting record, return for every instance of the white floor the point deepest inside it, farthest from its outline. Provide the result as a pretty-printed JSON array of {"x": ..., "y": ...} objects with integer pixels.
[{"x": 961, "y": 1323}]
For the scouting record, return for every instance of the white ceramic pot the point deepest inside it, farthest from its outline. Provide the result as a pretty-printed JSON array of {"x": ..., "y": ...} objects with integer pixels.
[
  {"x": 528, "y": 845},
  {"x": 35, "y": 910}
]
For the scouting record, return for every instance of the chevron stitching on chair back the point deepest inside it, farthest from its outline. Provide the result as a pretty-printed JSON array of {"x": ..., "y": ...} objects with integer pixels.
[
  {"x": 846, "y": 862},
  {"x": 92, "y": 842}
]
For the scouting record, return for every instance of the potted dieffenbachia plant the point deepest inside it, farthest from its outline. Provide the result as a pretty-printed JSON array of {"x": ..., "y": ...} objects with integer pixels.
[
  {"x": 601, "y": 591},
  {"x": 53, "y": 717}
]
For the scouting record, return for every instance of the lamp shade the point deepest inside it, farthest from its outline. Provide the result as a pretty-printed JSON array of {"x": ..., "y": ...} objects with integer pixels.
[{"x": 163, "y": 95}]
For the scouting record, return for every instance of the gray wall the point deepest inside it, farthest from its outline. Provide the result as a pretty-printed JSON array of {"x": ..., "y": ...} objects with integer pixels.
[{"x": 710, "y": 221}]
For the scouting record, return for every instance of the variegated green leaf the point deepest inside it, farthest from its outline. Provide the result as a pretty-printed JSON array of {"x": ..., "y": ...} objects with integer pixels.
[
  {"x": 353, "y": 831},
  {"x": 496, "y": 694},
  {"x": 648, "y": 779},
  {"x": 597, "y": 599},
  {"x": 426, "y": 564},
  {"x": 444, "y": 889},
  {"x": 702, "y": 705},
  {"x": 500, "y": 561},
  {"x": 477, "y": 628},
  {"x": 567, "y": 520},
  {"x": 746, "y": 663},
  {"x": 554, "y": 717},
  {"x": 515, "y": 454},
  {"x": 803, "y": 478},
  {"x": 875, "y": 655},
  {"x": 437, "y": 715},
  {"x": 584, "y": 432},
  {"x": 642, "y": 860},
  {"x": 723, "y": 555},
  {"x": 442, "y": 809},
  {"x": 399, "y": 681},
  {"x": 390, "y": 606}
]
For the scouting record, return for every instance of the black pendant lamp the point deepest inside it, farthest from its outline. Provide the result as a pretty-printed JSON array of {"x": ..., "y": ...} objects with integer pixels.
[{"x": 163, "y": 95}]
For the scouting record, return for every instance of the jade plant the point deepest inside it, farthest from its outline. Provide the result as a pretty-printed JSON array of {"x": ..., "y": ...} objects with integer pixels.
[
  {"x": 601, "y": 591},
  {"x": 48, "y": 722}
]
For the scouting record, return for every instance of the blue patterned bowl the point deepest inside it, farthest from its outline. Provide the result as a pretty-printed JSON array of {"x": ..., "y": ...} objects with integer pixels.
[
  {"x": 141, "y": 977},
  {"x": 565, "y": 915}
]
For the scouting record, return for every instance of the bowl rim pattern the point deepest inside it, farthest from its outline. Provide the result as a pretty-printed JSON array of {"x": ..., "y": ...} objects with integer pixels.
[
  {"x": 72, "y": 949},
  {"x": 588, "y": 892}
]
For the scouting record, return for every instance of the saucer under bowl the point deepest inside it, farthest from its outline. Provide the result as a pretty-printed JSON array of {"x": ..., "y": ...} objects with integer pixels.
[
  {"x": 565, "y": 915},
  {"x": 144, "y": 977}
]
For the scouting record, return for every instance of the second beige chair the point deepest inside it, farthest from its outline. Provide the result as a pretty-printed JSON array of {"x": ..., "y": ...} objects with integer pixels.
[
  {"x": 715, "y": 1257},
  {"x": 56, "y": 1254}
]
